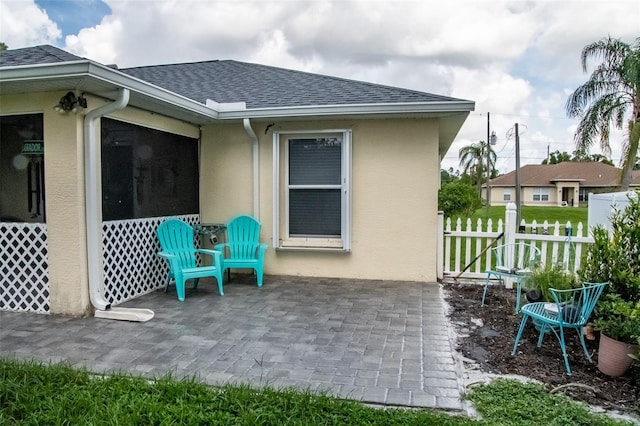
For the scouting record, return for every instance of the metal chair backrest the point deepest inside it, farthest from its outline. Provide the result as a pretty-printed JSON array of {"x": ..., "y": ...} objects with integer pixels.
[
  {"x": 574, "y": 306},
  {"x": 517, "y": 257}
]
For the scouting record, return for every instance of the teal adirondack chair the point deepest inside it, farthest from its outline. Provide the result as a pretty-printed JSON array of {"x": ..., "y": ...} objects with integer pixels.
[
  {"x": 176, "y": 240},
  {"x": 243, "y": 248},
  {"x": 571, "y": 309}
]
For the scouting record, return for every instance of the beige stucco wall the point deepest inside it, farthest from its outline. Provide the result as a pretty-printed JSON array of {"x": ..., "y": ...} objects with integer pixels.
[
  {"x": 394, "y": 180},
  {"x": 64, "y": 186}
]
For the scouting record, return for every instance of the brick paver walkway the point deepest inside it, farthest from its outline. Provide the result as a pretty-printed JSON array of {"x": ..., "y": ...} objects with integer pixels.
[{"x": 379, "y": 342}]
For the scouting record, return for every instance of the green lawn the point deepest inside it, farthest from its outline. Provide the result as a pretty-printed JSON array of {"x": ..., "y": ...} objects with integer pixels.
[
  {"x": 530, "y": 213},
  {"x": 33, "y": 393}
]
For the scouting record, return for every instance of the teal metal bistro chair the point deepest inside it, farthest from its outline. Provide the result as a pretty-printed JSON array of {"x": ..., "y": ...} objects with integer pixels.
[
  {"x": 571, "y": 309},
  {"x": 513, "y": 261},
  {"x": 177, "y": 243},
  {"x": 243, "y": 248}
]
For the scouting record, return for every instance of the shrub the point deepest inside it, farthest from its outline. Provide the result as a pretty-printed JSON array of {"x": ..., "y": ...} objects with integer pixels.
[
  {"x": 542, "y": 279},
  {"x": 458, "y": 198},
  {"x": 616, "y": 259}
]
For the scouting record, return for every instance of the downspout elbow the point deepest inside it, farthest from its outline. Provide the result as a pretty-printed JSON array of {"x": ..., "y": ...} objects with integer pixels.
[
  {"x": 92, "y": 202},
  {"x": 256, "y": 166}
]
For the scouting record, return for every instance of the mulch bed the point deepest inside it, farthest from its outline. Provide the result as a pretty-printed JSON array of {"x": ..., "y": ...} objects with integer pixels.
[{"x": 486, "y": 336}]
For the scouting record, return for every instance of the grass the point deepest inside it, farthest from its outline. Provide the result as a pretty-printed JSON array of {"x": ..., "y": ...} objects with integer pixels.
[
  {"x": 33, "y": 393},
  {"x": 562, "y": 215},
  {"x": 530, "y": 213}
]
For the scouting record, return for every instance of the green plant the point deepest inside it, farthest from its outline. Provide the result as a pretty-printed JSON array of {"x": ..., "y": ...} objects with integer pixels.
[
  {"x": 636, "y": 356},
  {"x": 542, "y": 279},
  {"x": 616, "y": 258},
  {"x": 618, "y": 318},
  {"x": 458, "y": 198}
]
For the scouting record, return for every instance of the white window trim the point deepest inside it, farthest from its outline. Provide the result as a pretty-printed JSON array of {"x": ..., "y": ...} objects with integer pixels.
[
  {"x": 283, "y": 240},
  {"x": 540, "y": 192},
  {"x": 506, "y": 195}
]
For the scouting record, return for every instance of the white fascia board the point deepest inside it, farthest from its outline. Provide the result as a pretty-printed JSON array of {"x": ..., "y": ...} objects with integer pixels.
[{"x": 351, "y": 109}]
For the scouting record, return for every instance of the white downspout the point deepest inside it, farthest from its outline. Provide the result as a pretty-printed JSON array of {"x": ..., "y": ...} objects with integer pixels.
[
  {"x": 256, "y": 167},
  {"x": 94, "y": 216}
]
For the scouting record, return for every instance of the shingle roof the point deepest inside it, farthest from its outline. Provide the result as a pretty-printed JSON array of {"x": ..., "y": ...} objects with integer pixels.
[
  {"x": 262, "y": 86},
  {"x": 589, "y": 174},
  {"x": 36, "y": 55}
]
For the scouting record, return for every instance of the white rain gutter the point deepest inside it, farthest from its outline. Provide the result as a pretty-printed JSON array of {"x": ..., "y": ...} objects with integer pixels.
[
  {"x": 256, "y": 166},
  {"x": 93, "y": 217}
]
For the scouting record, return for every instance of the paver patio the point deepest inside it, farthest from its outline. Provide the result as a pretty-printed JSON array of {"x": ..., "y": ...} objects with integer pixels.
[{"x": 380, "y": 342}]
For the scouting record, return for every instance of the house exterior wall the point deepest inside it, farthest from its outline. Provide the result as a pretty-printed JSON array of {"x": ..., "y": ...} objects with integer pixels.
[
  {"x": 63, "y": 136},
  {"x": 527, "y": 192},
  {"x": 394, "y": 184},
  {"x": 64, "y": 194}
]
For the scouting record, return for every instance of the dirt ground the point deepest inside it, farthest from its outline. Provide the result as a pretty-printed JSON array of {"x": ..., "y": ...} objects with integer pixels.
[{"x": 486, "y": 336}]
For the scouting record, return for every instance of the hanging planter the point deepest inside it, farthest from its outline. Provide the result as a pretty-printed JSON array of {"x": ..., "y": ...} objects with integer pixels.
[{"x": 613, "y": 356}]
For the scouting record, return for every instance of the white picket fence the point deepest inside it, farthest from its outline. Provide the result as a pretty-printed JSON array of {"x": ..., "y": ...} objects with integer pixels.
[{"x": 461, "y": 244}]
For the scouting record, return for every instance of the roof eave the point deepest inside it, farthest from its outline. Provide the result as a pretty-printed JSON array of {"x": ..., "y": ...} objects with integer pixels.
[{"x": 99, "y": 79}]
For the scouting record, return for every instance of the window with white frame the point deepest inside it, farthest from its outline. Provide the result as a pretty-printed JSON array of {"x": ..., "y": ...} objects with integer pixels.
[
  {"x": 583, "y": 195},
  {"x": 541, "y": 194},
  {"x": 312, "y": 190},
  {"x": 506, "y": 195}
]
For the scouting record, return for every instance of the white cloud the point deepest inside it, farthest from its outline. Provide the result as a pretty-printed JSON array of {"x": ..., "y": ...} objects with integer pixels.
[
  {"x": 22, "y": 24},
  {"x": 518, "y": 60}
]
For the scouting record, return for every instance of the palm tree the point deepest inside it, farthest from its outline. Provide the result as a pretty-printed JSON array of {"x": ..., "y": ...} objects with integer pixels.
[
  {"x": 613, "y": 88},
  {"x": 473, "y": 161}
]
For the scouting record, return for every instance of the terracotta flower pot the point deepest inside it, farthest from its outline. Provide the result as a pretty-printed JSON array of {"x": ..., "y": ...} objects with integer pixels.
[{"x": 613, "y": 356}]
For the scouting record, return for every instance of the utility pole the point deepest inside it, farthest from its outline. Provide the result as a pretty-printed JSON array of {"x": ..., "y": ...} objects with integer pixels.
[
  {"x": 486, "y": 191},
  {"x": 518, "y": 207},
  {"x": 491, "y": 140}
]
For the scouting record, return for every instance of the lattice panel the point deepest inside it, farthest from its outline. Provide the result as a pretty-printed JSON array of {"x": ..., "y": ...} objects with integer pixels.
[
  {"x": 24, "y": 275},
  {"x": 130, "y": 255}
]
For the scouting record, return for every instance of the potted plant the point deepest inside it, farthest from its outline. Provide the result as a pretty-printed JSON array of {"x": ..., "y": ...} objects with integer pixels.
[
  {"x": 615, "y": 257},
  {"x": 619, "y": 323},
  {"x": 636, "y": 355},
  {"x": 540, "y": 280}
]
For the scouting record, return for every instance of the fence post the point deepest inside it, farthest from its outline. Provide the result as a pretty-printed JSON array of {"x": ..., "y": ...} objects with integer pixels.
[
  {"x": 510, "y": 229},
  {"x": 440, "y": 248}
]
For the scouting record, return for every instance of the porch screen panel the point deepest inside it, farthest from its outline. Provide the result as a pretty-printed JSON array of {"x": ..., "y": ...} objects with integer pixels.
[{"x": 147, "y": 172}]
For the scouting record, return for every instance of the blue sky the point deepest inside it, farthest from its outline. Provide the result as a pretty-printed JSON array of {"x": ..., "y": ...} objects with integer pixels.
[
  {"x": 73, "y": 15},
  {"x": 517, "y": 59}
]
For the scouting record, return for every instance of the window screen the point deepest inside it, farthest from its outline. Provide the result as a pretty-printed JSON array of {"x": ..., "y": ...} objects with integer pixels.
[
  {"x": 315, "y": 176},
  {"x": 147, "y": 172}
]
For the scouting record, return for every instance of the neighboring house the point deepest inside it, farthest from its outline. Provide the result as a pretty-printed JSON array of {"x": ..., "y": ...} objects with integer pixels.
[
  {"x": 342, "y": 174},
  {"x": 564, "y": 184}
]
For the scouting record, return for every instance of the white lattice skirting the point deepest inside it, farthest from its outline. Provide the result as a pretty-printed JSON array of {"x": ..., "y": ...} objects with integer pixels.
[
  {"x": 130, "y": 255},
  {"x": 24, "y": 276}
]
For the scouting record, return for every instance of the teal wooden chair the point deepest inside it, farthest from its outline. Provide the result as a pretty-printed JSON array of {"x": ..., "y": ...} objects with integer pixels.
[
  {"x": 570, "y": 309},
  {"x": 176, "y": 241},
  {"x": 513, "y": 261},
  {"x": 243, "y": 248}
]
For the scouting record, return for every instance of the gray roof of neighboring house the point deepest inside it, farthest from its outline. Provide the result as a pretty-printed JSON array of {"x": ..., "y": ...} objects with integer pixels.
[
  {"x": 262, "y": 86},
  {"x": 229, "y": 81},
  {"x": 588, "y": 174},
  {"x": 35, "y": 56}
]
